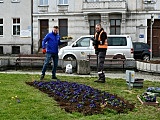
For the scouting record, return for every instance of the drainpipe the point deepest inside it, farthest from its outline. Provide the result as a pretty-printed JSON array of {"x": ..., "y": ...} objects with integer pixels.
[
  {"x": 152, "y": 21},
  {"x": 31, "y": 26}
]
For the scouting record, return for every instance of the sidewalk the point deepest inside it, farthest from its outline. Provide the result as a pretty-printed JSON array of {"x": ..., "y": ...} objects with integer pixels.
[
  {"x": 156, "y": 58},
  {"x": 113, "y": 74}
]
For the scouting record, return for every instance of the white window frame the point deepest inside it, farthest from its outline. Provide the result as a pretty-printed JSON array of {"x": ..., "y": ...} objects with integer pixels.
[
  {"x": 92, "y": 0},
  {"x": 1, "y": 25},
  {"x": 1, "y": 1},
  {"x": 43, "y": 2},
  {"x": 116, "y": 0},
  {"x": 16, "y": 24},
  {"x": 15, "y": 1},
  {"x": 63, "y": 2},
  {"x": 149, "y": 1}
]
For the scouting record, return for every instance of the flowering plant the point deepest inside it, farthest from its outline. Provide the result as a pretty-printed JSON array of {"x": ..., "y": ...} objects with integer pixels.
[
  {"x": 82, "y": 98},
  {"x": 66, "y": 38},
  {"x": 154, "y": 90},
  {"x": 148, "y": 97},
  {"x": 16, "y": 98}
]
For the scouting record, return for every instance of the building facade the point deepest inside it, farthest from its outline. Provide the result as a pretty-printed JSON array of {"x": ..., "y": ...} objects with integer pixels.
[
  {"x": 15, "y": 27},
  {"x": 79, "y": 17}
]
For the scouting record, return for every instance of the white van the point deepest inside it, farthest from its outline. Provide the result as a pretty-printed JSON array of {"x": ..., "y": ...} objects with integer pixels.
[{"x": 80, "y": 48}]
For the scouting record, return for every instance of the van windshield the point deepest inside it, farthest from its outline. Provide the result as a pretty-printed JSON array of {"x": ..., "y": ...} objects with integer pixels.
[{"x": 117, "y": 41}]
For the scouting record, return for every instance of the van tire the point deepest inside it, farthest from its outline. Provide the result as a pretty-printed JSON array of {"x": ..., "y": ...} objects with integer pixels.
[
  {"x": 69, "y": 57},
  {"x": 119, "y": 56}
]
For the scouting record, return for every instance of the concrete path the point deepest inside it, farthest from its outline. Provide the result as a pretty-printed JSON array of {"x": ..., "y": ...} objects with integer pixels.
[{"x": 113, "y": 74}]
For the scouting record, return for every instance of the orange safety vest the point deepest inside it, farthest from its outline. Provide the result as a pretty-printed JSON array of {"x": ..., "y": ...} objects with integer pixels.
[{"x": 105, "y": 45}]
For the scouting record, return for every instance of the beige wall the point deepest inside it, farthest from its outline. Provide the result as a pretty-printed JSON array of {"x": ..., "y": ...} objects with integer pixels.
[
  {"x": 134, "y": 17},
  {"x": 10, "y": 10}
]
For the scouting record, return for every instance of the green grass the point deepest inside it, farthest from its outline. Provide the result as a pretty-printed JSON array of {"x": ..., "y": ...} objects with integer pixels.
[{"x": 36, "y": 105}]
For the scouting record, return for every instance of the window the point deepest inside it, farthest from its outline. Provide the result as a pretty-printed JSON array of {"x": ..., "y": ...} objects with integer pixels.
[
  {"x": 15, "y": 49},
  {"x": 92, "y": 0},
  {"x": 115, "y": 27},
  {"x": 1, "y": 49},
  {"x": 83, "y": 42},
  {"x": 16, "y": 26},
  {"x": 15, "y": 1},
  {"x": 43, "y": 2},
  {"x": 63, "y": 27},
  {"x": 117, "y": 41},
  {"x": 92, "y": 24},
  {"x": 1, "y": 27},
  {"x": 149, "y": 1},
  {"x": 63, "y": 2},
  {"x": 116, "y": 0},
  {"x": 146, "y": 46}
]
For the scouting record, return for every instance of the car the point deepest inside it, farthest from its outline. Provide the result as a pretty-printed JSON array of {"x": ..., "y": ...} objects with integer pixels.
[
  {"x": 141, "y": 51},
  {"x": 80, "y": 48}
]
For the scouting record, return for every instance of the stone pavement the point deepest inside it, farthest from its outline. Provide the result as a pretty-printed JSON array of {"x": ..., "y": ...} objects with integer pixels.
[{"x": 113, "y": 74}]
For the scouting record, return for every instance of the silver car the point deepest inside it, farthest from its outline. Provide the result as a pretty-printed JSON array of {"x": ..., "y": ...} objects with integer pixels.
[{"x": 80, "y": 48}]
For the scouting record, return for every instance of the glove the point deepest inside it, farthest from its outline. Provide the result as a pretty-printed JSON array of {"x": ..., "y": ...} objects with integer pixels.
[
  {"x": 96, "y": 51},
  {"x": 94, "y": 42},
  {"x": 43, "y": 50}
]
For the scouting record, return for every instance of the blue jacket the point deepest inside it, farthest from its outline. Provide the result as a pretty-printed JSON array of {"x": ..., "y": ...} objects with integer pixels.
[{"x": 51, "y": 42}]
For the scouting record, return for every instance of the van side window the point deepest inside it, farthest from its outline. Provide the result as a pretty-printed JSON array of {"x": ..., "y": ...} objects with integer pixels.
[
  {"x": 117, "y": 41},
  {"x": 83, "y": 42}
]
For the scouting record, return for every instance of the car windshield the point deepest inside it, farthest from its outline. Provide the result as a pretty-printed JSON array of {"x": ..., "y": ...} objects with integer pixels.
[
  {"x": 140, "y": 46},
  {"x": 137, "y": 46},
  {"x": 146, "y": 46}
]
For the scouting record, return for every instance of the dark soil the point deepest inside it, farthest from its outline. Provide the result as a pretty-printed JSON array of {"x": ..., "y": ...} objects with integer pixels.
[
  {"x": 74, "y": 97},
  {"x": 152, "y": 61}
]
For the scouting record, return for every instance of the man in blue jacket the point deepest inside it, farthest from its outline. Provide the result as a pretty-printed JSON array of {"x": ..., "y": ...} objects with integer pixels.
[{"x": 50, "y": 46}]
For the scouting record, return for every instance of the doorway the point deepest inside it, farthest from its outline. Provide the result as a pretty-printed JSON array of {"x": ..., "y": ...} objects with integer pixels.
[
  {"x": 155, "y": 37},
  {"x": 43, "y": 30}
]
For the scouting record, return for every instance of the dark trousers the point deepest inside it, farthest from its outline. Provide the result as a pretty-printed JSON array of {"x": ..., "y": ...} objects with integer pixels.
[
  {"x": 46, "y": 62},
  {"x": 101, "y": 59}
]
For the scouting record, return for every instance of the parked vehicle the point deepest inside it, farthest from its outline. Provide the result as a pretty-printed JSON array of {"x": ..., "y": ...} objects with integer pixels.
[
  {"x": 80, "y": 48},
  {"x": 141, "y": 51}
]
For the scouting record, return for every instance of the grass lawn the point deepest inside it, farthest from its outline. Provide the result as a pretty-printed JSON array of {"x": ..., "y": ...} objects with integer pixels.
[{"x": 35, "y": 105}]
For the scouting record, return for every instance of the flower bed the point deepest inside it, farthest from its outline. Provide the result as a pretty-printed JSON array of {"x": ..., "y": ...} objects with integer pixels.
[
  {"x": 74, "y": 97},
  {"x": 66, "y": 38},
  {"x": 150, "y": 66},
  {"x": 153, "y": 61},
  {"x": 155, "y": 90},
  {"x": 148, "y": 98}
]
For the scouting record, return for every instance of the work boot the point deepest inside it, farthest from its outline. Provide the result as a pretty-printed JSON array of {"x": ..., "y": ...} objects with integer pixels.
[
  {"x": 54, "y": 77},
  {"x": 42, "y": 77},
  {"x": 101, "y": 78}
]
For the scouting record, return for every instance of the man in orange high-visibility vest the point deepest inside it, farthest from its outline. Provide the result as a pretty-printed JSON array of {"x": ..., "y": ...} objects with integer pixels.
[{"x": 100, "y": 45}]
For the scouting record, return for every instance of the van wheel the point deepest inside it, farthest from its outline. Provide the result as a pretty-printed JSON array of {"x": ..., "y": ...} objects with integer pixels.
[
  {"x": 69, "y": 57},
  {"x": 146, "y": 57},
  {"x": 119, "y": 56}
]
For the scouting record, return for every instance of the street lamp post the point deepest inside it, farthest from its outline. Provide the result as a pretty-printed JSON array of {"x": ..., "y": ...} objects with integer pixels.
[
  {"x": 31, "y": 26},
  {"x": 152, "y": 21},
  {"x": 152, "y": 3}
]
